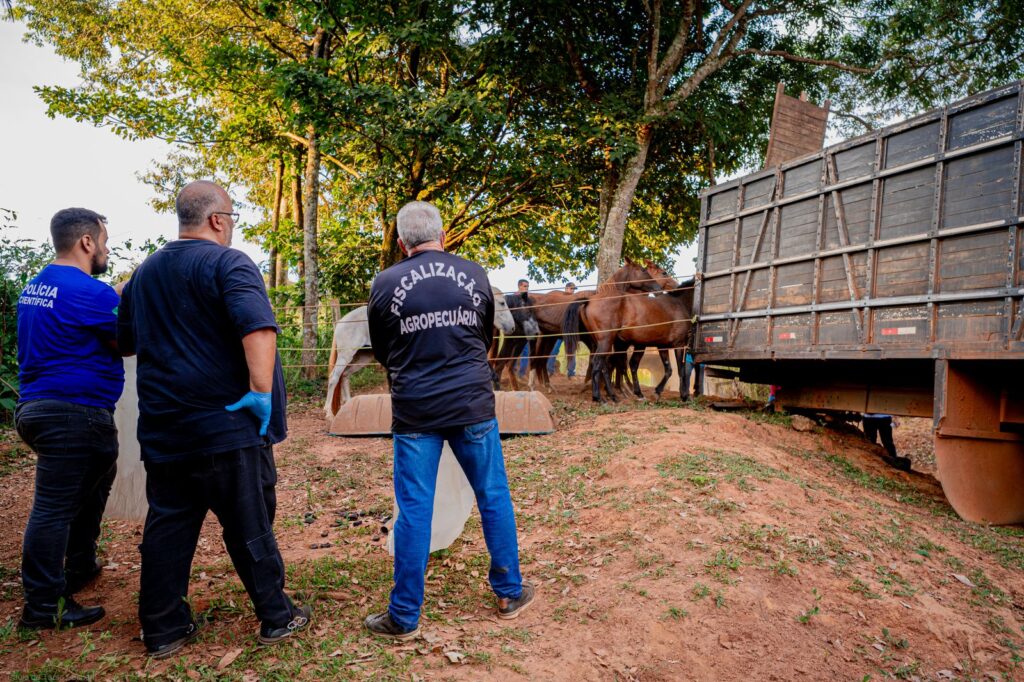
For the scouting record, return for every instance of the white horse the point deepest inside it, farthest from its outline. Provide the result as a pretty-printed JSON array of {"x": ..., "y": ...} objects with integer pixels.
[{"x": 350, "y": 349}]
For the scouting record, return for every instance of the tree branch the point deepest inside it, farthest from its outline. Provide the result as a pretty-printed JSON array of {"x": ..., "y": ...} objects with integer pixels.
[
  {"x": 590, "y": 88},
  {"x": 326, "y": 157},
  {"x": 810, "y": 60}
]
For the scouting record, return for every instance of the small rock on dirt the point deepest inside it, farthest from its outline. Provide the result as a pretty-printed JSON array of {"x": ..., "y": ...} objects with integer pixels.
[{"x": 802, "y": 423}]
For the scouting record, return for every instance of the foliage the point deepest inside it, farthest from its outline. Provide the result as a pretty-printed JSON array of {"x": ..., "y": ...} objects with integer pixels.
[
  {"x": 20, "y": 260},
  {"x": 521, "y": 120}
]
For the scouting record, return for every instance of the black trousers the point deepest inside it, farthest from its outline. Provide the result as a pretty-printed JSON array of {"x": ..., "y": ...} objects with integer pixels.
[
  {"x": 76, "y": 449},
  {"x": 880, "y": 426},
  {"x": 238, "y": 486}
]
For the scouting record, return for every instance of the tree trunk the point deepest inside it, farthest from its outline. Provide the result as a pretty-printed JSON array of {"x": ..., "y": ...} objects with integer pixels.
[
  {"x": 309, "y": 255},
  {"x": 275, "y": 223},
  {"x": 611, "y": 181},
  {"x": 297, "y": 201},
  {"x": 609, "y": 251}
]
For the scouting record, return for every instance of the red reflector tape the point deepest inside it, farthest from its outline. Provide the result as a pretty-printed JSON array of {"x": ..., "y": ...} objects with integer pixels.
[
  {"x": 712, "y": 339},
  {"x": 898, "y": 331},
  {"x": 787, "y": 336}
]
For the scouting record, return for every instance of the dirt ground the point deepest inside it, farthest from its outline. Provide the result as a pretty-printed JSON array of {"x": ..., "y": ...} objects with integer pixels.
[{"x": 668, "y": 542}]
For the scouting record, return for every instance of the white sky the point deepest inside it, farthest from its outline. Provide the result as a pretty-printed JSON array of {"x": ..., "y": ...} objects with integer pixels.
[{"x": 49, "y": 164}]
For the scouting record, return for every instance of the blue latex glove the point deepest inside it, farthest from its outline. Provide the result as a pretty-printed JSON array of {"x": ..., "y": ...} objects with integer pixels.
[{"x": 258, "y": 404}]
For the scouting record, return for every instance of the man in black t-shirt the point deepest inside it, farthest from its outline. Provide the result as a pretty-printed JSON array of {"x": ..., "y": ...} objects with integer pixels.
[
  {"x": 211, "y": 405},
  {"x": 431, "y": 321}
]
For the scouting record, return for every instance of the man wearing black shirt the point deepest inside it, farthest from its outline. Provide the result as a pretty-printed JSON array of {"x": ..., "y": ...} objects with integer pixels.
[
  {"x": 431, "y": 320},
  {"x": 197, "y": 314}
]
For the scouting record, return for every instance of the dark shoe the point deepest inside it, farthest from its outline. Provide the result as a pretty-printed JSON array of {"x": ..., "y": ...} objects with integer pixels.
[
  {"x": 901, "y": 463},
  {"x": 382, "y": 625},
  {"x": 511, "y": 608},
  {"x": 272, "y": 635},
  {"x": 65, "y": 614},
  {"x": 171, "y": 648},
  {"x": 78, "y": 580}
]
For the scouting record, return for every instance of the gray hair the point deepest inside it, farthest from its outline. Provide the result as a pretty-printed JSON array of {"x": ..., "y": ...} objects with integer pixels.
[
  {"x": 419, "y": 222},
  {"x": 195, "y": 202}
]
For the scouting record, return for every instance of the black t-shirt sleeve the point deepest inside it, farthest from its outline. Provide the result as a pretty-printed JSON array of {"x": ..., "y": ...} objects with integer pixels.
[
  {"x": 244, "y": 294},
  {"x": 378, "y": 334},
  {"x": 125, "y": 331}
]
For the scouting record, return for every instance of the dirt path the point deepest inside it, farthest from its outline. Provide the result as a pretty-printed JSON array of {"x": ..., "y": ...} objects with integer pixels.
[{"x": 668, "y": 543}]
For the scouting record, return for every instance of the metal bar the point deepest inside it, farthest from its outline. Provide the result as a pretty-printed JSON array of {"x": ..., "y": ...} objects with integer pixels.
[
  {"x": 844, "y": 240},
  {"x": 882, "y": 173}
]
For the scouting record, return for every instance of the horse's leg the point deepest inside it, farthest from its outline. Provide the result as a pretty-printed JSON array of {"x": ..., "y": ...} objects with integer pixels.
[
  {"x": 634, "y": 365},
  {"x": 668, "y": 372},
  {"x": 513, "y": 367},
  {"x": 684, "y": 374},
  {"x": 595, "y": 371}
]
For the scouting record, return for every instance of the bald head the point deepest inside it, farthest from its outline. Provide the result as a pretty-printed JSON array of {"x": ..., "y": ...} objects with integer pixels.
[
  {"x": 197, "y": 201},
  {"x": 205, "y": 211}
]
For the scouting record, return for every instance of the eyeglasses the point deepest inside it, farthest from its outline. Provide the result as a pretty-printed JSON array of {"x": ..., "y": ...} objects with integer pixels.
[{"x": 234, "y": 216}]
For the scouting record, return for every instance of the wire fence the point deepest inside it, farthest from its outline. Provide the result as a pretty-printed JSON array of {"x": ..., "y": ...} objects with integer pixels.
[{"x": 585, "y": 287}]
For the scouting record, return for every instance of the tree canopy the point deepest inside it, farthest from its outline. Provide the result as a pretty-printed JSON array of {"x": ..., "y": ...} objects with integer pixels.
[{"x": 562, "y": 131}]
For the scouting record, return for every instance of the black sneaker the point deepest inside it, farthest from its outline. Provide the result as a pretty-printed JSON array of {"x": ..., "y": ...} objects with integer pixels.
[
  {"x": 511, "y": 608},
  {"x": 78, "y": 580},
  {"x": 171, "y": 648},
  {"x": 382, "y": 625},
  {"x": 272, "y": 635},
  {"x": 67, "y": 613}
]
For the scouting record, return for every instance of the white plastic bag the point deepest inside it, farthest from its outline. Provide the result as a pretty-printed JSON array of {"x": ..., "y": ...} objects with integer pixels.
[
  {"x": 453, "y": 503},
  {"x": 127, "y": 499}
]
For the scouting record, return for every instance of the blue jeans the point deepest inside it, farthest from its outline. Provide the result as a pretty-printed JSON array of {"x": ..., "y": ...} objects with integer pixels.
[
  {"x": 570, "y": 360},
  {"x": 239, "y": 487},
  {"x": 524, "y": 359},
  {"x": 76, "y": 449},
  {"x": 478, "y": 450}
]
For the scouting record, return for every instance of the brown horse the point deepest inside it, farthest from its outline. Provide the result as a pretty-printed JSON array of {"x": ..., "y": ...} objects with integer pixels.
[
  {"x": 550, "y": 310},
  {"x": 669, "y": 327},
  {"x": 612, "y": 306}
]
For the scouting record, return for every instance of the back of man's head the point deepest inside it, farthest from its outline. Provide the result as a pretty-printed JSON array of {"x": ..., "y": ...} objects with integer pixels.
[
  {"x": 419, "y": 222},
  {"x": 195, "y": 202},
  {"x": 70, "y": 224}
]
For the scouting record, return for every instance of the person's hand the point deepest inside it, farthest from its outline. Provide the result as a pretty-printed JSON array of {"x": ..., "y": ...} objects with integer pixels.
[
  {"x": 895, "y": 422},
  {"x": 258, "y": 404}
]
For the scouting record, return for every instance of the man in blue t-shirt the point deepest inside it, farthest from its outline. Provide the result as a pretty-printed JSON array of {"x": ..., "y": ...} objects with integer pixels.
[
  {"x": 431, "y": 320},
  {"x": 71, "y": 376},
  {"x": 211, "y": 406}
]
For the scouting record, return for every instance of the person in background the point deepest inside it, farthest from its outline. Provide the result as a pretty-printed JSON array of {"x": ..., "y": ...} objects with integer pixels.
[
  {"x": 570, "y": 360},
  {"x": 431, "y": 322},
  {"x": 879, "y": 426},
  {"x": 211, "y": 407},
  {"x": 71, "y": 376},
  {"x": 523, "y": 287}
]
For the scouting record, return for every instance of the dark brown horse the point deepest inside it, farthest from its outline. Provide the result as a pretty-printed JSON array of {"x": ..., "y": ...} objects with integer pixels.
[
  {"x": 550, "y": 310},
  {"x": 611, "y": 307},
  {"x": 669, "y": 327}
]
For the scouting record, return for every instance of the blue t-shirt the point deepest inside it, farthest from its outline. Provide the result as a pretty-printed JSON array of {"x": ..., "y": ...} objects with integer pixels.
[
  {"x": 67, "y": 326},
  {"x": 184, "y": 314}
]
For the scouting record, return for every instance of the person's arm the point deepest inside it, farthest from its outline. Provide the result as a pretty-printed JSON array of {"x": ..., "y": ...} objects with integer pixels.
[
  {"x": 260, "y": 353},
  {"x": 125, "y": 330},
  {"x": 378, "y": 337}
]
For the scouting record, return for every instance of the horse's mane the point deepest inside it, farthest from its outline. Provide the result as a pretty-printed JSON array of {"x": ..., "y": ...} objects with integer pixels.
[
  {"x": 620, "y": 280},
  {"x": 685, "y": 288}
]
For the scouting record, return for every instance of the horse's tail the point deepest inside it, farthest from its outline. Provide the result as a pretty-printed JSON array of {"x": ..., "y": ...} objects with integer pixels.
[
  {"x": 334, "y": 352},
  {"x": 571, "y": 326}
]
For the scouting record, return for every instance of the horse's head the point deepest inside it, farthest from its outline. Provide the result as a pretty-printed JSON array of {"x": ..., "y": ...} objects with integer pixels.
[
  {"x": 632, "y": 277},
  {"x": 503, "y": 319},
  {"x": 660, "y": 275},
  {"x": 522, "y": 312}
]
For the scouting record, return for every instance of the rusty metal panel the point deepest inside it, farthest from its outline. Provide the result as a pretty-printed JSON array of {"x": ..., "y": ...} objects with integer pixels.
[
  {"x": 793, "y": 331},
  {"x": 900, "y": 244},
  {"x": 900, "y": 325},
  {"x": 972, "y": 322}
]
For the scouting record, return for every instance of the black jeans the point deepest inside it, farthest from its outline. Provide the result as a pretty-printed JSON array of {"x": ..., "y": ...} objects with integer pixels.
[
  {"x": 882, "y": 426},
  {"x": 238, "y": 486},
  {"x": 76, "y": 450}
]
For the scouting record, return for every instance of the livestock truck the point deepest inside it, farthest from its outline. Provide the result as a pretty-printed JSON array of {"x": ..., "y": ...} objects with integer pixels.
[{"x": 885, "y": 274}]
